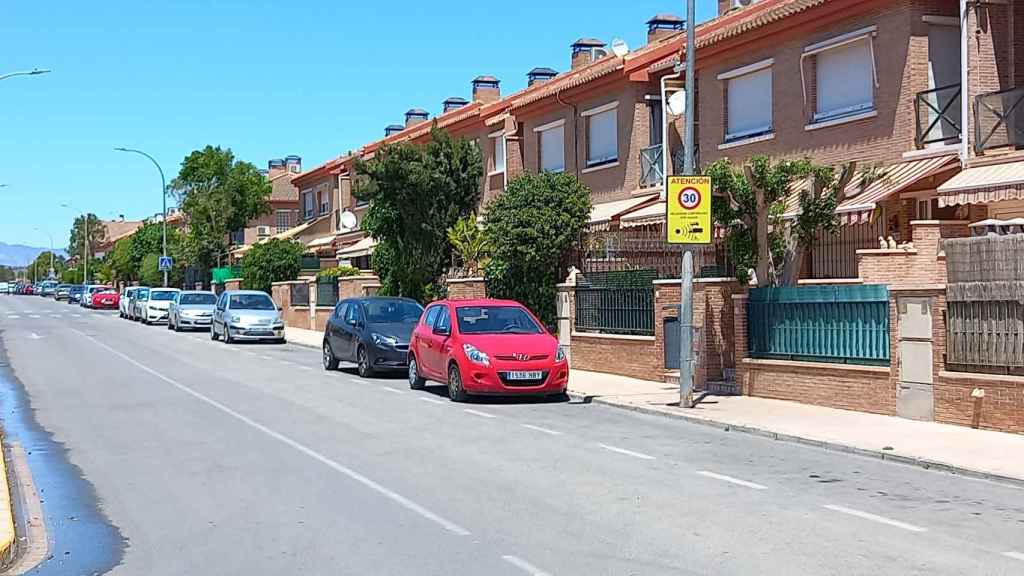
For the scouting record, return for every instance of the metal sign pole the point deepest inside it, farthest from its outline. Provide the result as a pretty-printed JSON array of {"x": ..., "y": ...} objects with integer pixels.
[{"x": 686, "y": 274}]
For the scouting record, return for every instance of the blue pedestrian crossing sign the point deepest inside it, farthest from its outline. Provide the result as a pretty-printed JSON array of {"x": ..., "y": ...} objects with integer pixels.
[{"x": 166, "y": 263}]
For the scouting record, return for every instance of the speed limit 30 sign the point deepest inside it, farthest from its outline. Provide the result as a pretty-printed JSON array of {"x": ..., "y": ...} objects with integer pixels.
[{"x": 689, "y": 210}]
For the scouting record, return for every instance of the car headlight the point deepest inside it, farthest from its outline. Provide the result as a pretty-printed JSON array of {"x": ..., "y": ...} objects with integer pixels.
[
  {"x": 560, "y": 355},
  {"x": 476, "y": 356},
  {"x": 382, "y": 340},
  {"x": 235, "y": 319}
]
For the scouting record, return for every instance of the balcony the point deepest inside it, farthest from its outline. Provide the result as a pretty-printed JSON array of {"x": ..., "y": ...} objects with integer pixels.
[
  {"x": 937, "y": 113},
  {"x": 999, "y": 120}
]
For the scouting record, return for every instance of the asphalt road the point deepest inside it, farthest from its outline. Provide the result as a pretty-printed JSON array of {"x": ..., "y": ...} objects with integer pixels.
[{"x": 251, "y": 459}]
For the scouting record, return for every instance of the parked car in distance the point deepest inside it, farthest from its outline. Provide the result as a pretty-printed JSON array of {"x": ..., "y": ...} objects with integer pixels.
[
  {"x": 140, "y": 296},
  {"x": 62, "y": 292},
  {"x": 90, "y": 291},
  {"x": 156, "y": 306},
  {"x": 47, "y": 288},
  {"x": 191, "y": 309},
  {"x": 126, "y": 296},
  {"x": 373, "y": 332},
  {"x": 246, "y": 315},
  {"x": 106, "y": 300},
  {"x": 75, "y": 293},
  {"x": 486, "y": 347}
]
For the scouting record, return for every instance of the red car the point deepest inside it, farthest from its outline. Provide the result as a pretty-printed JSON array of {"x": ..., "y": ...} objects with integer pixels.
[
  {"x": 485, "y": 347},
  {"x": 106, "y": 300}
]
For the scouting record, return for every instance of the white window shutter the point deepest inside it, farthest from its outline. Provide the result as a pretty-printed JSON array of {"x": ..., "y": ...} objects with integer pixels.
[
  {"x": 602, "y": 138},
  {"x": 750, "y": 104},
  {"x": 845, "y": 80},
  {"x": 499, "y": 154},
  {"x": 552, "y": 149}
]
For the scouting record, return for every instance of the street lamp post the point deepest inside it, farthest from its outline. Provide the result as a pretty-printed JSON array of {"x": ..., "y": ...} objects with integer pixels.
[
  {"x": 34, "y": 72},
  {"x": 85, "y": 245},
  {"x": 50, "y": 236},
  {"x": 163, "y": 195}
]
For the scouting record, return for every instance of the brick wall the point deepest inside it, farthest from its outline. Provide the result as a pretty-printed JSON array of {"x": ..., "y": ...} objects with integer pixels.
[
  {"x": 860, "y": 388},
  {"x": 921, "y": 265},
  {"x": 634, "y": 356},
  {"x": 1002, "y": 407},
  {"x": 466, "y": 288},
  {"x": 233, "y": 284},
  {"x": 294, "y": 316},
  {"x": 712, "y": 314},
  {"x": 356, "y": 286}
]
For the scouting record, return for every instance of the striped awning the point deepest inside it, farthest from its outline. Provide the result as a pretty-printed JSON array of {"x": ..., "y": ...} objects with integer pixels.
[
  {"x": 863, "y": 197},
  {"x": 363, "y": 247},
  {"x": 652, "y": 214},
  {"x": 601, "y": 215},
  {"x": 984, "y": 184},
  {"x": 323, "y": 241}
]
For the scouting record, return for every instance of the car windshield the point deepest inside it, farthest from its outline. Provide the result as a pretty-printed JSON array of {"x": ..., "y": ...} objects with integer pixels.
[
  {"x": 496, "y": 320},
  {"x": 209, "y": 299},
  {"x": 162, "y": 295},
  {"x": 142, "y": 294},
  {"x": 75, "y": 289},
  {"x": 98, "y": 289},
  {"x": 391, "y": 311},
  {"x": 251, "y": 302}
]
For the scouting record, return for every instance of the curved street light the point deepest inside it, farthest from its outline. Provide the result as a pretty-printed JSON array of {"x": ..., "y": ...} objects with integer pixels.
[
  {"x": 34, "y": 72},
  {"x": 163, "y": 194}
]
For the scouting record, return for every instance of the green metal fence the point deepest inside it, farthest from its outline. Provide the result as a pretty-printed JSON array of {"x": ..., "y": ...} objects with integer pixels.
[
  {"x": 326, "y": 291},
  {"x": 220, "y": 275},
  {"x": 843, "y": 324},
  {"x": 618, "y": 302}
]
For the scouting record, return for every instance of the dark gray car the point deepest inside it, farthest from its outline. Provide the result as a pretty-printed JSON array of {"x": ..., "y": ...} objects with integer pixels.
[{"x": 372, "y": 332}]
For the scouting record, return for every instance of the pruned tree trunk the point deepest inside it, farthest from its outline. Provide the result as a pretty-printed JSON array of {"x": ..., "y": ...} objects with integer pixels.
[{"x": 764, "y": 257}]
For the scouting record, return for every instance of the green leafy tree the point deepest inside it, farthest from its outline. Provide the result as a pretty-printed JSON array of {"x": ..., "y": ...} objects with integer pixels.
[
  {"x": 273, "y": 261},
  {"x": 7, "y": 274},
  {"x": 71, "y": 276},
  {"x": 749, "y": 202},
  {"x": 531, "y": 226},
  {"x": 218, "y": 194},
  {"x": 148, "y": 240},
  {"x": 77, "y": 239},
  {"x": 40, "y": 267},
  {"x": 416, "y": 193},
  {"x": 471, "y": 246},
  {"x": 120, "y": 261},
  {"x": 149, "y": 271}
]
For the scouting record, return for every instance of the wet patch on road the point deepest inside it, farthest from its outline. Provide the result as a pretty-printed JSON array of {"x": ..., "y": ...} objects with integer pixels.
[{"x": 82, "y": 538}]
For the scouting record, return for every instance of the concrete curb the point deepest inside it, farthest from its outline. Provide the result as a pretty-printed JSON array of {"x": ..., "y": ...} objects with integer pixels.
[
  {"x": 823, "y": 444},
  {"x": 6, "y": 515}
]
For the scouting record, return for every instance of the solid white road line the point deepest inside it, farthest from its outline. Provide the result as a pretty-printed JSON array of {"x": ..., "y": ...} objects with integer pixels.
[
  {"x": 732, "y": 480},
  {"x": 390, "y": 389},
  {"x": 541, "y": 429},
  {"x": 626, "y": 452},
  {"x": 875, "y": 518},
  {"x": 1014, "y": 555},
  {"x": 478, "y": 413},
  {"x": 431, "y": 400},
  {"x": 344, "y": 470},
  {"x": 524, "y": 565}
]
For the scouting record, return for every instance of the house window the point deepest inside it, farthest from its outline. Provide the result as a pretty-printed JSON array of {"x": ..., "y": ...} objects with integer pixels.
[
  {"x": 656, "y": 119},
  {"x": 748, "y": 95},
  {"x": 924, "y": 209},
  {"x": 845, "y": 77},
  {"x": 551, "y": 138},
  {"x": 282, "y": 220},
  {"x": 325, "y": 202},
  {"x": 238, "y": 237},
  {"x": 602, "y": 135},
  {"x": 498, "y": 148},
  {"x": 308, "y": 206}
]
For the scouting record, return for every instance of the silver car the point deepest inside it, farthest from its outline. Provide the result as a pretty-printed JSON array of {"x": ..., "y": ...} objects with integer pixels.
[
  {"x": 246, "y": 315},
  {"x": 191, "y": 309}
]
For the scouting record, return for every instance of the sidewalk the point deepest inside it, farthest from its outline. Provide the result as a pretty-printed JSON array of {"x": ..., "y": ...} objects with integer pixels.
[
  {"x": 979, "y": 453},
  {"x": 303, "y": 337}
]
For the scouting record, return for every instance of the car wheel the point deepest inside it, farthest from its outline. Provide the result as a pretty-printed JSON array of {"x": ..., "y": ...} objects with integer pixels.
[
  {"x": 363, "y": 363},
  {"x": 213, "y": 332},
  {"x": 330, "y": 362},
  {"x": 456, "y": 392},
  {"x": 416, "y": 382},
  {"x": 227, "y": 335}
]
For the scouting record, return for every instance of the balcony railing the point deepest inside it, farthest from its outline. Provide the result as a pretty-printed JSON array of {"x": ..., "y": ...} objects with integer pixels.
[
  {"x": 937, "y": 113},
  {"x": 999, "y": 120},
  {"x": 652, "y": 170}
]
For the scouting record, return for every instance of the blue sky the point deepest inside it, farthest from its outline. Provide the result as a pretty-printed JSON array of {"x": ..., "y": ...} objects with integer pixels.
[{"x": 266, "y": 79}]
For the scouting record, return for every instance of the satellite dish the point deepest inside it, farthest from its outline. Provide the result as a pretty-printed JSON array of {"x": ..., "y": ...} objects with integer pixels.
[
  {"x": 348, "y": 220},
  {"x": 619, "y": 47},
  {"x": 677, "y": 103}
]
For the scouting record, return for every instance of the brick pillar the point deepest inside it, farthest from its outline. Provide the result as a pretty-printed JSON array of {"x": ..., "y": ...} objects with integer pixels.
[
  {"x": 565, "y": 308},
  {"x": 739, "y": 314},
  {"x": 513, "y": 148},
  {"x": 312, "y": 303}
]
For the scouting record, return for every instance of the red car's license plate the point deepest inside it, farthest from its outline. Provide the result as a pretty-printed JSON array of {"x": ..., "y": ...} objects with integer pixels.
[{"x": 524, "y": 375}]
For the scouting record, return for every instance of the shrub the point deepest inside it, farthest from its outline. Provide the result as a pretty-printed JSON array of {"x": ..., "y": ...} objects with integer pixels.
[
  {"x": 338, "y": 272},
  {"x": 273, "y": 261}
]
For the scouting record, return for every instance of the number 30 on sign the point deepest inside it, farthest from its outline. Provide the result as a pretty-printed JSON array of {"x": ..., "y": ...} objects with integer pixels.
[{"x": 689, "y": 210}]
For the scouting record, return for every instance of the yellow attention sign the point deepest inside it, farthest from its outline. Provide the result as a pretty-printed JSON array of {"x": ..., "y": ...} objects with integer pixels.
[{"x": 689, "y": 210}]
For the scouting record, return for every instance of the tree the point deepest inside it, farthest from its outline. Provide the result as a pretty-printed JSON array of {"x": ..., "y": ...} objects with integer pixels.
[
  {"x": 148, "y": 240},
  {"x": 273, "y": 261},
  {"x": 470, "y": 244},
  {"x": 40, "y": 267},
  {"x": 120, "y": 260},
  {"x": 749, "y": 203},
  {"x": 77, "y": 239},
  {"x": 531, "y": 226},
  {"x": 416, "y": 193},
  {"x": 218, "y": 194},
  {"x": 7, "y": 274}
]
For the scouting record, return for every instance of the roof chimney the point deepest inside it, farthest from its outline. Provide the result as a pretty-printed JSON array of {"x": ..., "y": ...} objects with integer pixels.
[
  {"x": 486, "y": 89},
  {"x": 453, "y": 103},
  {"x": 663, "y": 26},
  {"x": 275, "y": 167},
  {"x": 393, "y": 129},
  {"x": 416, "y": 116},
  {"x": 293, "y": 163},
  {"x": 539, "y": 75},
  {"x": 587, "y": 50}
]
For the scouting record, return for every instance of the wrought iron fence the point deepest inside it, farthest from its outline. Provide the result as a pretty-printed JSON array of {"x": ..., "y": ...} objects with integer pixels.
[
  {"x": 835, "y": 255},
  {"x": 937, "y": 113},
  {"x": 644, "y": 248},
  {"x": 309, "y": 262},
  {"x": 842, "y": 324},
  {"x": 326, "y": 291},
  {"x": 652, "y": 169},
  {"x": 619, "y": 302},
  {"x": 999, "y": 119}
]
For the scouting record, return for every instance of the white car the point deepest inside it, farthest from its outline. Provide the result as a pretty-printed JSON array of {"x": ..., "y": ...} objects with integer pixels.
[
  {"x": 154, "y": 308},
  {"x": 126, "y": 300}
]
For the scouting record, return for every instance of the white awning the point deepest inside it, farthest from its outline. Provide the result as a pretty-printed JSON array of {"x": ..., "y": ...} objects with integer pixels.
[
  {"x": 601, "y": 215},
  {"x": 652, "y": 214},
  {"x": 323, "y": 241},
  {"x": 984, "y": 184},
  {"x": 363, "y": 247}
]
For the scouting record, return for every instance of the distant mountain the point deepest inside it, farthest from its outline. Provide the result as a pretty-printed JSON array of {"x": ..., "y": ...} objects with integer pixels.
[{"x": 18, "y": 255}]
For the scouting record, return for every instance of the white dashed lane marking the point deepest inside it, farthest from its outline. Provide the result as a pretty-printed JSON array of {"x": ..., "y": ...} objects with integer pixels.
[
  {"x": 392, "y": 390},
  {"x": 479, "y": 413},
  {"x": 1015, "y": 555},
  {"x": 627, "y": 452},
  {"x": 524, "y": 565},
  {"x": 431, "y": 400},
  {"x": 875, "y": 518},
  {"x": 731, "y": 480},
  {"x": 542, "y": 429}
]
